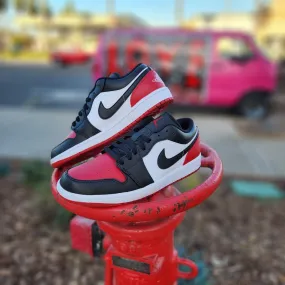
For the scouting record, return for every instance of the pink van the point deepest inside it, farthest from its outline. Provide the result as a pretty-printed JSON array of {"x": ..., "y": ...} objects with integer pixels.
[{"x": 219, "y": 69}]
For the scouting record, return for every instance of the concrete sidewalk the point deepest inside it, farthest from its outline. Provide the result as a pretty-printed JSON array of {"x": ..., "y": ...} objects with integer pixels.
[{"x": 31, "y": 133}]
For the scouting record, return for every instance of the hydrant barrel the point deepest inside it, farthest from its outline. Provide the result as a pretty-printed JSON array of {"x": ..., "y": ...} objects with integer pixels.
[{"x": 142, "y": 253}]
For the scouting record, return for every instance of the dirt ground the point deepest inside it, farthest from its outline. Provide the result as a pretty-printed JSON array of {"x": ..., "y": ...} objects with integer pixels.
[{"x": 242, "y": 241}]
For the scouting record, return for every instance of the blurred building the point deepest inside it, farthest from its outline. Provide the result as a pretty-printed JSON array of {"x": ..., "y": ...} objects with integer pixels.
[
  {"x": 266, "y": 24},
  {"x": 270, "y": 28},
  {"x": 221, "y": 21},
  {"x": 74, "y": 30}
]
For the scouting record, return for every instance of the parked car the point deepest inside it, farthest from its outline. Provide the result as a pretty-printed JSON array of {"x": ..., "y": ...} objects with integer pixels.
[
  {"x": 208, "y": 68},
  {"x": 70, "y": 57}
]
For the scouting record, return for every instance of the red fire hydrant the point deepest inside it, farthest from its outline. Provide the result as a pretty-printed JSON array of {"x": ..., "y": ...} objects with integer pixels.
[{"x": 138, "y": 236}]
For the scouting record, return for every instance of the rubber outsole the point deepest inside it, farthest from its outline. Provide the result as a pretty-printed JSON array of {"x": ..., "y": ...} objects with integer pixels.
[
  {"x": 137, "y": 194},
  {"x": 94, "y": 150}
]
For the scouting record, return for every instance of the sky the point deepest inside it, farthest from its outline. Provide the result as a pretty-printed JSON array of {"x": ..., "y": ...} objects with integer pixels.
[{"x": 158, "y": 12}]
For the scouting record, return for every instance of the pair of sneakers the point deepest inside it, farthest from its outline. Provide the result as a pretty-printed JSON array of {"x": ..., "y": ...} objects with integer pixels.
[{"x": 133, "y": 154}]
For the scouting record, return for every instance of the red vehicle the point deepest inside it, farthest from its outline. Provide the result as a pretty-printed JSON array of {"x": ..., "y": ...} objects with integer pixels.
[{"x": 70, "y": 57}]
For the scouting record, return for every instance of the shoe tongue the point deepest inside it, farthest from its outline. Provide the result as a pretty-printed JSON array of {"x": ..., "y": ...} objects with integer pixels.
[
  {"x": 164, "y": 120},
  {"x": 144, "y": 122},
  {"x": 157, "y": 125},
  {"x": 99, "y": 84},
  {"x": 114, "y": 75},
  {"x": 136, "y": 129},
  {"x": 101, "y": 81}
]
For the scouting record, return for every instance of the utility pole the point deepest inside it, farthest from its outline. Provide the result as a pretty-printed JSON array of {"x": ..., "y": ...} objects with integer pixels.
[
  {"x": 110, "y": 7},
  {"x": 179, "y": 11},
  {"x": 258, "y": 4},
  {"x": 228, "y": 5},
  {"x": 42, "y": 7}
]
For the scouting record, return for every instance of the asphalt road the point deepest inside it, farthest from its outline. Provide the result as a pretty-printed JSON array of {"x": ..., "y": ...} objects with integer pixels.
[{"x": 44, "y": 86}]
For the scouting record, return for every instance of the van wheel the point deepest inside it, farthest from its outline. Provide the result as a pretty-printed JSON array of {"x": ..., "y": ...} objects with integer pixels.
[{"x": 255, "y": 105}]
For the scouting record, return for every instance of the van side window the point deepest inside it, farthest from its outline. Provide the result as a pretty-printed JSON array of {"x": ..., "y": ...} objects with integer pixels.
[{"x": 236, "y": 49}]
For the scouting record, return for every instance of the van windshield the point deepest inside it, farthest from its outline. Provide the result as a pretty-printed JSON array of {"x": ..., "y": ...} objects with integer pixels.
[{"x": 232, "y": 48}]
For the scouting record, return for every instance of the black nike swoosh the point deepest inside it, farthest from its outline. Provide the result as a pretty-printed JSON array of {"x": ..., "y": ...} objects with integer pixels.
[
  {"x": 163, "y": 162},
  {"x": 107, "y": 113}
]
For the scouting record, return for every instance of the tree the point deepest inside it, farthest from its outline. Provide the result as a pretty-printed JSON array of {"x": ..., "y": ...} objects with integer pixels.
[
  {"x": 262, "y": 14},
  {"x": 20, "y": 5},
  {"x": 32, "y": 8},
  {"x": 86, "y": 14},
  {"x": 45, "y": 9},
  {"x": 69, "y": 8},
  {"x": 3, "y": 5}
]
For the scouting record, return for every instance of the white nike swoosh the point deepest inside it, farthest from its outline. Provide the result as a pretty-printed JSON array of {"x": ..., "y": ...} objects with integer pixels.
[
  {"x": 109, "y": 98},
  {"x": 171, "y": 149}
]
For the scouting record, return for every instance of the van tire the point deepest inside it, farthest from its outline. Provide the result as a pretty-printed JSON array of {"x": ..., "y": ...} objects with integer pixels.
[{"x": 255, "y": 105}]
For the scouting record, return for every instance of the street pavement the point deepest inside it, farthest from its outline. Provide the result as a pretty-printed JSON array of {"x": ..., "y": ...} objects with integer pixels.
[
  {"x": 39, "y": 103},
  {"x": 44, "y": 86}
]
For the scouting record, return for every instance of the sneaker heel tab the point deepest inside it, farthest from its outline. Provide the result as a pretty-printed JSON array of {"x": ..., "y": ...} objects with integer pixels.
[
  {"x": 195, "y": 131},
  {"x": 141, "y": 66}
]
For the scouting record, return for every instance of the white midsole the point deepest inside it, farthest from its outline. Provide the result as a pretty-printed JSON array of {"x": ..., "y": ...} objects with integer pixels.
[
  {"x": 125, "y": 197},
  {"x": 136, "y": 112}
]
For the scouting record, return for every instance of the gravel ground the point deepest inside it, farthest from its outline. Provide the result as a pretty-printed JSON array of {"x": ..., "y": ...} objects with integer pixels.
[{"x": 242, "y": 240}]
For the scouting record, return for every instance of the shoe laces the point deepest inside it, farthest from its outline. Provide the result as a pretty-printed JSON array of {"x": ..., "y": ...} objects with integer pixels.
[
  {"x": 126, "y": 147},
  {"x": 81, "y": 112}
]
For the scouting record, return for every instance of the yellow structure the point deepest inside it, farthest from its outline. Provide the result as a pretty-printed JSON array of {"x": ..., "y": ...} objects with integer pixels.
[
  {"x": 222, "y": 21},
  {"x": 71, "y": 31},
  {"x": 270, "y": 29},
  {"x": 266, "y": 24}
]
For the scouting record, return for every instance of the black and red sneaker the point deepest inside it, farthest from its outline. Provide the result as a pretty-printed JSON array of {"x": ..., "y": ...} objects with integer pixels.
[
  {"x": 114, "y": 106},
  {"x": 159, "y": 154}
]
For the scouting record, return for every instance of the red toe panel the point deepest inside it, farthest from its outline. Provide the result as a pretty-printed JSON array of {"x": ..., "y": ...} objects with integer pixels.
[{"x": 101, "y": 167}]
